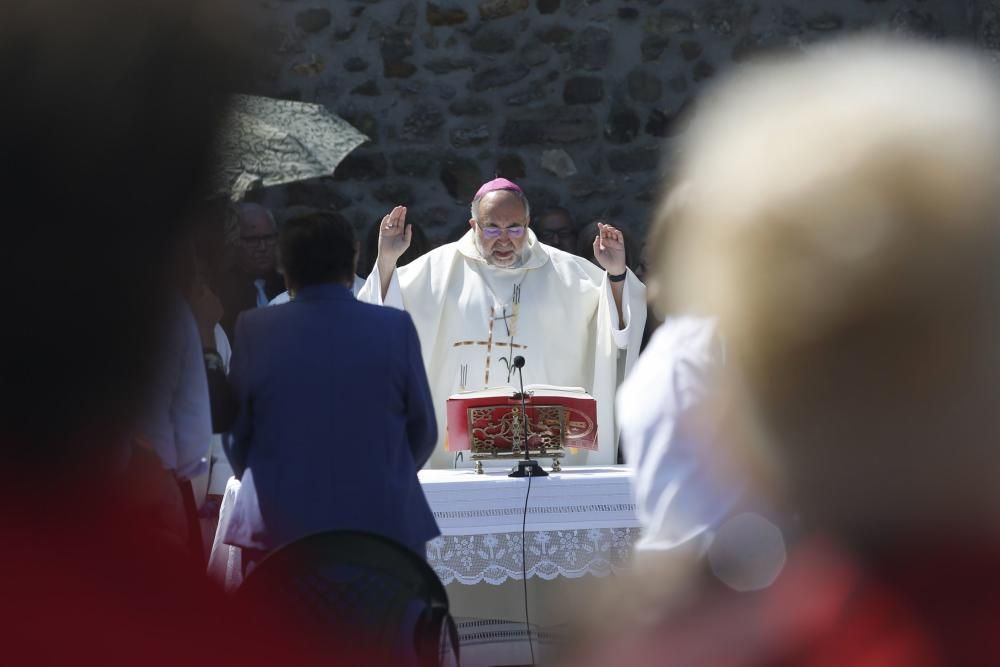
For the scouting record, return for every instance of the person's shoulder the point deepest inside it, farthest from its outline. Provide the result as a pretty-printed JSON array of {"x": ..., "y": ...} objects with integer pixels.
[
  {"x": 687, "y": 335},
  {"x": 257, "y": 319}
]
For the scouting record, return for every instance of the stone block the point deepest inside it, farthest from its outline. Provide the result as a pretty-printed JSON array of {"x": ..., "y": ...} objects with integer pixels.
[
  {"x": 470, "y": 106},
  {"x": 691, "y": 50},
  {"x": 422, "y": 124},
  {"x": 498, "y": 77},
  {"x": 313, "y": 19},
  {"x": 592, "y": 48},
  {"x": 407, "y": 15},
  {"x": 413, "y": 162},
  {"x": 634, "y": 160},
  {"x": 669, "y": 22},
  {"x": 643, "y": 86},
  {"x": 535, "y": 54},
  {"x": 441, "y": 16},
  {"x": 583, "y": 90},
  {"x": 622, "y": 125},
  {"x": 703, "y": 70},
  {"x": 558, "y": 162},
  {"x": 559, "y": 37},
  {"x": 557, "y": 125},
  {"x": 547, "y": 6},
  {"x": 470, "y": 136},
  {"x": 492, "y": 40},
  {"x": 652, "y": 46},
  {"x": 825, "y": 23},
  {"x": 368, "y": 88},
  {"x": 510, "y": 166},
  {"x": 355, "y": 64},
  {"x": 533, "y": 92},
  {"x": 585, "y": 187},
  {"x": 498, "y": 9},
  {"x": 461, "y": 177},
  {"x": 396, "y": 46},
  {"x": 445, "y": 65}
]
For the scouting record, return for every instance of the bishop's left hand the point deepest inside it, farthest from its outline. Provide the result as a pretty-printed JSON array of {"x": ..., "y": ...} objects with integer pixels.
[{"x": 609, "y": 249}]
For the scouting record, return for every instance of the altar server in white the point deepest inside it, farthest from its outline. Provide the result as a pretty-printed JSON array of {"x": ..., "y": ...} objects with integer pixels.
[{"x": 498, "y": 293}]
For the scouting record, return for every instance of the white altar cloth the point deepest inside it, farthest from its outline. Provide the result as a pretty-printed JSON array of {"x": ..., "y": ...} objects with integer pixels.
[{"x": 579, "y": 521}]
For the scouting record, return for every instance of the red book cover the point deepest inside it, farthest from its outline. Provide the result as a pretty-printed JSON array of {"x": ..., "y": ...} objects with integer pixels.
[{"x": 491, "y": 418}]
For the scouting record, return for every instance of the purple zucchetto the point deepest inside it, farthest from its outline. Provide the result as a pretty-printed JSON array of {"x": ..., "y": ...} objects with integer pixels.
[{"x": 497, "y": 184}]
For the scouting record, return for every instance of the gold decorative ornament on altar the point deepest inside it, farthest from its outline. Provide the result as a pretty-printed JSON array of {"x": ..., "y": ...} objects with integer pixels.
[{"x": 488, "y": 423}]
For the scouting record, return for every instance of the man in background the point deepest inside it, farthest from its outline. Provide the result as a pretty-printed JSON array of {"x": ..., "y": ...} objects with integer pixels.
[
  {"x": 555, "y": 227},
  {"x": 254, "y": 280}
]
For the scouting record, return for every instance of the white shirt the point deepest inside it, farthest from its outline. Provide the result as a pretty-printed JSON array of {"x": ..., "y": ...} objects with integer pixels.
[
  {"x": 178, "y": 420},
  {"x": 680, "y": 496}
]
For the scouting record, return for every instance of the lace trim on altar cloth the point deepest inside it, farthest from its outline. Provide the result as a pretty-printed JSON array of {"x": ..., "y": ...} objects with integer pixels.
[
  {"x": 496, "y": 557},
  {"x": 510, "y": 511}
]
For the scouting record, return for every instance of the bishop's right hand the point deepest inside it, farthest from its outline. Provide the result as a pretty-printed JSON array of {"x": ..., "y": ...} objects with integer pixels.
[{"x": 393, "y": 239}]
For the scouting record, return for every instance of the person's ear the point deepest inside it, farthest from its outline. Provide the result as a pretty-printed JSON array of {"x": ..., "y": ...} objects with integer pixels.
[{"x": 472, "y": 223}]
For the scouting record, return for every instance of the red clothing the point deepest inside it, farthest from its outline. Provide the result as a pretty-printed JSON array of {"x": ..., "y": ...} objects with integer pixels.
[{"x": 914, "y": 607}]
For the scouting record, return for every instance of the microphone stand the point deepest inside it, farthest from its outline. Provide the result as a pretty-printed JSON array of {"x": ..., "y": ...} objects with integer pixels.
[{"x": 526, "y": 467}]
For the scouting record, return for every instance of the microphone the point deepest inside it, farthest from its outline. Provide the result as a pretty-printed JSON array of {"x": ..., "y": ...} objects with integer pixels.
[{"x": 526, "y": 467}]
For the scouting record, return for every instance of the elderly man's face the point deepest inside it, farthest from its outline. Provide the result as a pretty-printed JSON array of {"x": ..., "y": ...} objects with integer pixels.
[
  {"x": 258, "y": 242},
  {"x": 502, "y": 230},
  {"x": 556, "y": 229}
]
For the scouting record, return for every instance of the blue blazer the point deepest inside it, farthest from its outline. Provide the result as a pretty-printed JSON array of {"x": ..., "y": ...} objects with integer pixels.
[{"x": 335, "y": 419}]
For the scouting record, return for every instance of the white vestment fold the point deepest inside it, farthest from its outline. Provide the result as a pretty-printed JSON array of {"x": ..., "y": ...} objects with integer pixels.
[{"x": 556, "y": 310}]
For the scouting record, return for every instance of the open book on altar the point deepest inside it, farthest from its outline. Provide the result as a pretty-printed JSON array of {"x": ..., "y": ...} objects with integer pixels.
[{"x": 488, "y": 421}]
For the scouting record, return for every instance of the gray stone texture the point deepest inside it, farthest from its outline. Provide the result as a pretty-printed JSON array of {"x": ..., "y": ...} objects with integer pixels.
[{"x": 580, "y": 101}]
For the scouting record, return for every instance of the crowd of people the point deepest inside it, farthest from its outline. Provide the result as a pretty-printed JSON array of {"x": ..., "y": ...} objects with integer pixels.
[{"x": 811, "y": 427}]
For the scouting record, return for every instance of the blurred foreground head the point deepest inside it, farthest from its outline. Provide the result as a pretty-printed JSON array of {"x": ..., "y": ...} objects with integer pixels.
[
  {"x": 110, "y": 116},
  {"x": 838, "y": 213}
]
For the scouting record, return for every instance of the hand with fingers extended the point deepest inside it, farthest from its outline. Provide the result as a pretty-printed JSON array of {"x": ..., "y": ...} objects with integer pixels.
[
  {"x": 609, "y": 249},
  {"x": 394, "y": 237}
]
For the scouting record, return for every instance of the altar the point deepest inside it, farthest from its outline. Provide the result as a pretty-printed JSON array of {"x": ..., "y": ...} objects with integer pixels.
[{"x": 577, "y": 524}]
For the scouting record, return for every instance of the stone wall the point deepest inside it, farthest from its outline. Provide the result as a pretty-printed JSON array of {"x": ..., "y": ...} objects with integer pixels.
[{"x": 577, "y": 100}]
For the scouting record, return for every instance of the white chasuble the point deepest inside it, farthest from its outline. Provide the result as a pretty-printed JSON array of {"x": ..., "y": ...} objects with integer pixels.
[{"x": 555, "y": 310}]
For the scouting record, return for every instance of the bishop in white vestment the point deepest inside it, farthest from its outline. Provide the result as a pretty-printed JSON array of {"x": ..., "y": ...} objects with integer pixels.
[{"x": 498, "y": 293}]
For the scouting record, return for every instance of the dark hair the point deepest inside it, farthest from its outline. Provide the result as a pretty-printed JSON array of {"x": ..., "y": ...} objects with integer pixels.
[{"x": 317, "y": 248}]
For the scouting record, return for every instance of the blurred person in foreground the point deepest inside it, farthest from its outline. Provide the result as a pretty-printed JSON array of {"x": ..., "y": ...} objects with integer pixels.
[
  {"x": 840, "y": 222},
  {"x": 334, "y": 420},
  {"x": 114, "y": 107}
]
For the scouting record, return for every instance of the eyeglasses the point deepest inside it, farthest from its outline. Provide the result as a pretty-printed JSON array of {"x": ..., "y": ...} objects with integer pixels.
[
  {"x": 262, "y": 239},
  {"x": 494, "y": 232}
]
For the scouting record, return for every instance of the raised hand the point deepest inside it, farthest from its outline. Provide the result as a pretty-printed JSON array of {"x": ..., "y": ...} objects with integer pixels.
[
  {"x": 393, "y": 238},
  {"x": 609, "y": 249}
]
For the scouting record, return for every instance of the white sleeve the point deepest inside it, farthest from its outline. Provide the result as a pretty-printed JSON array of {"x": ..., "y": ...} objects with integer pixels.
[
  {"x": 190, "y": 410},
  {"x": 372, "y": 290},
  {"x": 680, "y": 494},
  {"x": 620, "y": 335}
]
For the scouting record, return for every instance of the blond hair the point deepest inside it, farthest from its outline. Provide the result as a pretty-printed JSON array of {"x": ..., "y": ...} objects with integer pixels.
[{"x": 837, "y": 213}]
